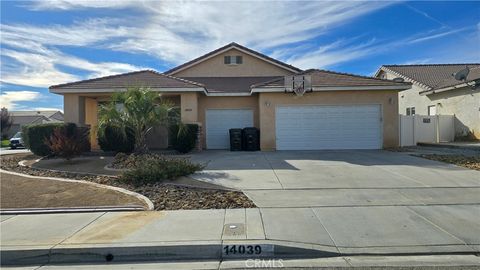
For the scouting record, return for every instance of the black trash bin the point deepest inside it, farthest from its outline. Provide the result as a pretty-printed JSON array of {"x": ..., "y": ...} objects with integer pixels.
[
  {"x": 235, "y": 139},
  {"x": 251, "y": 139}
]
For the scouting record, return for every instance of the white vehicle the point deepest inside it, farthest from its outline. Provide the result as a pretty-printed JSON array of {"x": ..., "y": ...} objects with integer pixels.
[{"x": 16, "y": 141}]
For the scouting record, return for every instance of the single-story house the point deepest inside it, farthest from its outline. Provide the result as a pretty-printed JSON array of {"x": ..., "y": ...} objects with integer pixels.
[
  {"x": 236, "y": 87},
  {"x": 22, "y": 118},
  {"x": 435, "y": 91}
]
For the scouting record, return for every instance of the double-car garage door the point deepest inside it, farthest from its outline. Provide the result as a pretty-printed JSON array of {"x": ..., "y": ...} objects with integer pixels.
[
  {"x": 309, "y": 127},
  {"x": 318, "y": 127}
]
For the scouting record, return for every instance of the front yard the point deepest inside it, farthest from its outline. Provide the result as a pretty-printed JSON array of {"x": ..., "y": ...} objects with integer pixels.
[
  {"x": 166, "y": 195},
  {"x": 22, "y": 192}
]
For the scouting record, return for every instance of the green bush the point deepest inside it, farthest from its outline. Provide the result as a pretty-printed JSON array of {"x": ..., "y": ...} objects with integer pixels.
[
  {"x": 159, "y": 169},
  {"x": 35, "y": 136},
  {"x": 183, "y": 138},
  {"x": 113, "y": 139}
]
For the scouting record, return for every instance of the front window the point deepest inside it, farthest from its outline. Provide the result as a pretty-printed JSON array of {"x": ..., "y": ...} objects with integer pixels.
[
  {"x": 410, "y": 111},
  {"x": 432, "y": 110}
]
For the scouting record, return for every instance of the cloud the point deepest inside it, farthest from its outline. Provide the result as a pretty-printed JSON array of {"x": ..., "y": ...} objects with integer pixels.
[
  {"x": 345, "y": 50},
  {"x": 78, "y": 4},
  {"x": 178, "y": 31},
  {"x": 10, "y": 99},
  {"x": 41, "y": 67}
]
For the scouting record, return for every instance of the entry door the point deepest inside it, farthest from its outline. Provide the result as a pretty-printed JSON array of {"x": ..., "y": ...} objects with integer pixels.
[
  {"x": 328, "y": 127},
  {"x": 220, "y": 121}
]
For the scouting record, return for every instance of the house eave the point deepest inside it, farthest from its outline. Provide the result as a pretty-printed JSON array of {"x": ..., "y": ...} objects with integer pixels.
[
  {"x": 334, "y": 88},
  {"x": 440, "y": 90},
  {"x": 122, "y": 89}
]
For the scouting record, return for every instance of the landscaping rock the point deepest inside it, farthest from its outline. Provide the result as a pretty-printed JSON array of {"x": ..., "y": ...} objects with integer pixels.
[{"x": 471, "y": 162}]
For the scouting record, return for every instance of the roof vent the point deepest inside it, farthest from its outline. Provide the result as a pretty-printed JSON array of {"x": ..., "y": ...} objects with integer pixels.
[{"x": 398, "y": 79}]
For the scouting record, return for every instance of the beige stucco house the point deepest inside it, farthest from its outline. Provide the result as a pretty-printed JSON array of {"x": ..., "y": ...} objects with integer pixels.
[
  {"x": 435, "y": 91},
  {"x": 236, "y": 87}
]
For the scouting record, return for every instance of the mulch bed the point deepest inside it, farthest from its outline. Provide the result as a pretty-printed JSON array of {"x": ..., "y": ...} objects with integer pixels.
[
  {"x": 163, "y": 196},
  {"x": 471, "y": 162}
]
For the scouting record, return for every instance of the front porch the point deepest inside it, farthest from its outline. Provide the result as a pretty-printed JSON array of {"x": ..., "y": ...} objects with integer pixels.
[{"x": 83, "y": 111}]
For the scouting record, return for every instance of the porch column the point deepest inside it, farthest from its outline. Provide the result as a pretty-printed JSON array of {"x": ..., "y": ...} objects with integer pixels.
[
  {"x": 91, "y": 120},
  {"x": 74, "y": 109},
  {"x": 189, "y": 107}
]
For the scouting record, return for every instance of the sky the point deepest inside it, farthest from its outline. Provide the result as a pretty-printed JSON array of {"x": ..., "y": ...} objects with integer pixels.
[{"x": 49, "y": 42}]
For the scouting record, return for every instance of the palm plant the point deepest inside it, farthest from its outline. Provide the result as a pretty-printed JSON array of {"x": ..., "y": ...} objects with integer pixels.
[{"x": 138, "y": 109}]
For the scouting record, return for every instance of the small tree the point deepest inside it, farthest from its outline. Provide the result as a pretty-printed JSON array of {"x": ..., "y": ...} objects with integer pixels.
[
  {"x": 138, "y": 109},
  {"x": 67, "y": 142},
  {"x": 5, "y": 122}
]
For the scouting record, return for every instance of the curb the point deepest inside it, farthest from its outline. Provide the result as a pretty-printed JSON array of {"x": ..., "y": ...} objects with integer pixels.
[
  {"x": 122, "y": 190},
  {"x": 59, "y": 210},
  {"x": 166, "y": 251}
]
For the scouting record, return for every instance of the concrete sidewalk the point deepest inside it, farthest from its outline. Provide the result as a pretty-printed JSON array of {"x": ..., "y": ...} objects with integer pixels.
[{"x": 232, "y": 233}]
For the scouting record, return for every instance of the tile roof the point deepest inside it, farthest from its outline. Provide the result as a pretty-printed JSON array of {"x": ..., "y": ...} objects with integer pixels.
[
  {"x": 229, "y": 84},
  {"x": 147, "y": 78},
  {"x": 326, "y": 78},
  {"x": 233, "y": 45},
  {"x": 435, "y": 76}
]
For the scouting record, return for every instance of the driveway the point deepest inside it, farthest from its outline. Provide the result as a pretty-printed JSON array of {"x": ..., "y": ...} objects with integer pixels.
[
  {"x": 358, "y": 201},
  {"x": 339, "y": 178}
]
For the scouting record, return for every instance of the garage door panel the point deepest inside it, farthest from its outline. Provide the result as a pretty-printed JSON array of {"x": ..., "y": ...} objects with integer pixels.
[
  {"x": 220, "y": 121},
  {"x": 328, "y": 127}
]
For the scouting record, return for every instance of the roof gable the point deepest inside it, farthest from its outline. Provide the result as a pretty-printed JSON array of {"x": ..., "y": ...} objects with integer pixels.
[{"x": 238, "y": 47}]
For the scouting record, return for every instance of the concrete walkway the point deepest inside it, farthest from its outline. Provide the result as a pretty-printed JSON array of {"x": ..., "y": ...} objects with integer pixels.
[{"x": 203, "y": 234}]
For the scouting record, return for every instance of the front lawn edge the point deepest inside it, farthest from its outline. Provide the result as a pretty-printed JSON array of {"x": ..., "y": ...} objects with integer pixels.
[{"x": 146, "y": 200}]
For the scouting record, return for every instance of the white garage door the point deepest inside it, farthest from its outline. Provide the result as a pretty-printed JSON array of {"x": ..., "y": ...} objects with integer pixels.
[
  {"x": 220, "y": 121},
  {"x": 328, "y": 127}
]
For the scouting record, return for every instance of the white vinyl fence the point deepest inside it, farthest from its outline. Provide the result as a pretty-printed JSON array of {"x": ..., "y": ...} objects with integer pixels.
[{"x": 426, "y": 129}]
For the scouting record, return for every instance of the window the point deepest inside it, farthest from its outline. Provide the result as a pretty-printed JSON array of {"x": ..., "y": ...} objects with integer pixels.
[
  {"x": 232, "y": 60},
  {"x": 411, "y": 111},
  {"x": 432, "y": 110},
  {"x": 226, "y": 60}
]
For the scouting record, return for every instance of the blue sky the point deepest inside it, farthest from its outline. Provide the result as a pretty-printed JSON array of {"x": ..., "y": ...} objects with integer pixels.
[{"x": 55, "y": 41}]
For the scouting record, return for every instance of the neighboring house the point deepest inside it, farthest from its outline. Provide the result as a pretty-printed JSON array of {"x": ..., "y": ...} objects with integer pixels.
[
  {"x": 236, "y": 87},
  {"x": 22, "y": 118},
  {"x": 436, "y": 91}
]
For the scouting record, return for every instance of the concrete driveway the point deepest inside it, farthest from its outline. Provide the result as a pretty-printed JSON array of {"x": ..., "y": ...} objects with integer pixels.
[
  {"x": 339, "y": 178},
  {"x": 368, "y": 201}
]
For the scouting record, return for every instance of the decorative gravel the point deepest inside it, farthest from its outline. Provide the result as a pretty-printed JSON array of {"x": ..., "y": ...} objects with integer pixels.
[
  {"x": 163, "y": 196},
  {"x": 131, "y": 161},
  {"x": 471, "y": 162}
]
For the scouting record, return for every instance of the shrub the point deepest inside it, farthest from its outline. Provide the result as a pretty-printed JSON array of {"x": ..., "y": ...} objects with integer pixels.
[
  {"x": 34, "y": 137},
  {"x": 184, "y": 137},
  {"x": 112, "y": 138},
  {"x": 159, "y": 169},
  {"x": 68, "y": 141}
]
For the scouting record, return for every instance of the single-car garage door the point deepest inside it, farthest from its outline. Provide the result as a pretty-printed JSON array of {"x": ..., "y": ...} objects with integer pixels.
[
  {"x": 220, "y": 121},
  {"x": 328, "y": 127}
]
